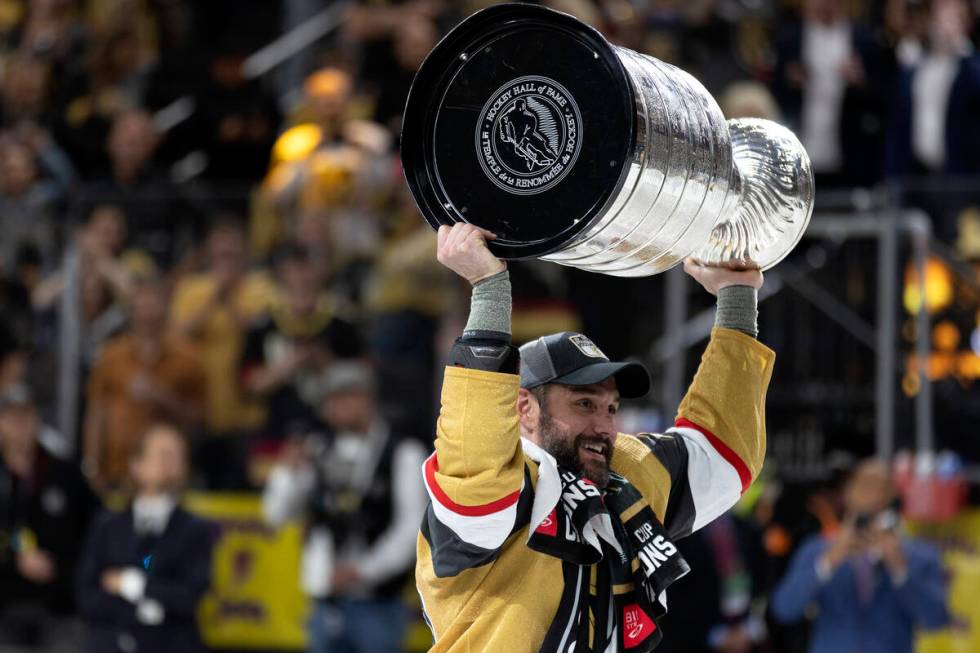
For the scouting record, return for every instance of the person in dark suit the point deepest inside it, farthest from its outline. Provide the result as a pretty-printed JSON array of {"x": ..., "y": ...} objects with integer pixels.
[
  {"x": 934, "y": 127},
  {"x": 144, "y": 570},
  {"x": 832, "y": 78}
]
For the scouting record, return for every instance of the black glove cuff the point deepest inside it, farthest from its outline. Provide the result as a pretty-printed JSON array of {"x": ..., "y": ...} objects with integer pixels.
[{"x": 488, "y": 354}]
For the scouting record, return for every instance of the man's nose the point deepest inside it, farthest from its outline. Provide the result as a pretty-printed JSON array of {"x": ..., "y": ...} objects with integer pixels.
[{"x": 605, "y": 426}]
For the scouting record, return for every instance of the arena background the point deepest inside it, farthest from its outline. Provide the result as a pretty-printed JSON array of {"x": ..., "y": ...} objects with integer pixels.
[{"x": 128, "y": 128}]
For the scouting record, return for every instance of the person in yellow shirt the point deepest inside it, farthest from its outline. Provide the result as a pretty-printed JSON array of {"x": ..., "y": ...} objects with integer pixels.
[
  {"x": 546, "y": 530},
  {"x": 214, "y": 310}
]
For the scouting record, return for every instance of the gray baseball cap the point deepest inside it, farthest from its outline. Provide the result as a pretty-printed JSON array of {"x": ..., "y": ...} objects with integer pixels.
[{"x": 573, "y": 359}]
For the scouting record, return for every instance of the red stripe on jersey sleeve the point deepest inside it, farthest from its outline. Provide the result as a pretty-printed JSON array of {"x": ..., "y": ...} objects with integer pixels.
[
  {"x": 744, "y": 475},
  {"x": 432, "y": 466}
]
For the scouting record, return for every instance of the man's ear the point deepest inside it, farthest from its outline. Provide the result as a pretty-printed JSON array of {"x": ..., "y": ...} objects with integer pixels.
[{"x": 528, "y": 411}]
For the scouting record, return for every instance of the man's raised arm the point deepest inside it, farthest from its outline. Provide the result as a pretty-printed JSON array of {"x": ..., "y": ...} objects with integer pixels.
[
  {"x": 701, "y": 466},
  {"x": 476, "y": 474}
]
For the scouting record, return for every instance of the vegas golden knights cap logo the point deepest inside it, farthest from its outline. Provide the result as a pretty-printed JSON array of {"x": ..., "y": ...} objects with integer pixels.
[
  {"x": 586, "y": 346},
  {"x": 529, "y": 135}
]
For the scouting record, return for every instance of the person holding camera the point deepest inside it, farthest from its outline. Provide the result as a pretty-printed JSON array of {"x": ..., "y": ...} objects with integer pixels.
[{"x": 872, "y": 585}]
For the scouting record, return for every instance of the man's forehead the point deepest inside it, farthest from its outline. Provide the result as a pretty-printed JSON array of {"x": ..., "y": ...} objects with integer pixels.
[{"x": 605, "y": 387}]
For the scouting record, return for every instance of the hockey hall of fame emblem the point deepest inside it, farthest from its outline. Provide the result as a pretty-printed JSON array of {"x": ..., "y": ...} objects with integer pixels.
[{"x": 529, "y": 135}]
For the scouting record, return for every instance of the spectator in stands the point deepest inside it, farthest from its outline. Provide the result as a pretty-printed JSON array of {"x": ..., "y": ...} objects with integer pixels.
[
  {"x": 361, "y": 493},
  {"x": 95, "y": 279},
  {"x": 329, "y": 92},
  {"x": 874, "y": 587},
  {"x": 907, "y": 27},
  {"x": 831, "y": 79},
  {"x": 24, "y": 91},
  {"x": 143, "y": 377},
  {"x": 119, "y": 67},
  {"x": 288, "y": 351},
  {"x": 131, "y": 144},
  {"x": 214, "y": 310},
  {"x": 97, "y": 255},
  {"x": 236, "y": 116},
  {"x": 934, "y": 128},
  {"x": 327, "y": 100},
  {"x": 395, "y": 37},
  {"x": 161, "y": 224},
  {"x": 26, "y": 206},
  {"x": 52, "y": 30},
  {"x": 112, "y": 81},
  {"x": 35, "y": 177},
  {"x": 80, "y": 305},
  {"x": 45, "y": 508},
  {"x": 144, "y": 570},
  {"x": 329, "y": 180}
]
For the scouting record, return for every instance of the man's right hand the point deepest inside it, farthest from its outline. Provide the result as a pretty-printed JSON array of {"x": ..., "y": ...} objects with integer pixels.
[
  {"x": 715, "y": 277},
  {"x": 463, "y": 249}
]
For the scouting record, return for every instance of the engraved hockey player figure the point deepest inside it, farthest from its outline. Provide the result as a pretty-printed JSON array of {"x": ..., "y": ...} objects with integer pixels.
[{"x": 519, "y": 127}]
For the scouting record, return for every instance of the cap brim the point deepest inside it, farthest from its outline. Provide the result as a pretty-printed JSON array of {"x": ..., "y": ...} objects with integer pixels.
[{"x": 632, "y": 379}]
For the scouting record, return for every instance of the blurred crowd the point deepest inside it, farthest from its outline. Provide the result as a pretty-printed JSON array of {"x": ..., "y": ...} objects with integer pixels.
[{"x": 217, "y": 279}]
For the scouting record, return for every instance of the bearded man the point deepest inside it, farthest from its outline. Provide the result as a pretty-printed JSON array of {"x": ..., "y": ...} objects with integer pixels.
[{"x": 547, "y": 530}]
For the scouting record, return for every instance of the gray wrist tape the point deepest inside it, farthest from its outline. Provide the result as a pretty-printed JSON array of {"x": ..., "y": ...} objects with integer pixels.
[
  {"x": 490, "y": 305},
  {"x": 738, "y": 309}
]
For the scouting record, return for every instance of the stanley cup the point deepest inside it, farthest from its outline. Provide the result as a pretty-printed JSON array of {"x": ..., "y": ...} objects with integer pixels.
[{"x": 528, "y": 123}]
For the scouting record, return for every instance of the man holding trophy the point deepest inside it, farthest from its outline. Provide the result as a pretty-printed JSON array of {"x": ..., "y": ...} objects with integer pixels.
[
  {"x": 545, "y": 528},
  {"x": 526, "y": 134}
]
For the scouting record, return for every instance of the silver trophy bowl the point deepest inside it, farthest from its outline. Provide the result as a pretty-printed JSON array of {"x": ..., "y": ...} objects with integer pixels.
[{"x": 527, "y": 122}]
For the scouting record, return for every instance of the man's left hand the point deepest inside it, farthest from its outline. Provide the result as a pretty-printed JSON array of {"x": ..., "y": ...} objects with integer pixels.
[{"x": 713, "y": 278}]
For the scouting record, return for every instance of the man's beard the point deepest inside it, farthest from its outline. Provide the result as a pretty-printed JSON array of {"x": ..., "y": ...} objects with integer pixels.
[{"x": 567, "y": 451}]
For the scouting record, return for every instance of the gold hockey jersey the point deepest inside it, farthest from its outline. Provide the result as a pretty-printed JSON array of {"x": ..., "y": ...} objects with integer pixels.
[{"x": 482, "y": 588}]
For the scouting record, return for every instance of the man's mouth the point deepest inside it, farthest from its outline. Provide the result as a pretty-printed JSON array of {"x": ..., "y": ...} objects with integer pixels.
[{"x": 595, "y": 450}]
